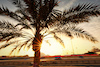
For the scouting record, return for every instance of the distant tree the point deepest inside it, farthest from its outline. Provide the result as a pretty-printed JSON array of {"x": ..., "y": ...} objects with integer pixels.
[
  {"x": 91, "y": 52},
  {"x": 41, "y": 19}
]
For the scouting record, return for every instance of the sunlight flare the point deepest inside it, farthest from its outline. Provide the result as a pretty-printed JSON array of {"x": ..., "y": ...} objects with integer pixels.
[{"x": 53, "y": 49}]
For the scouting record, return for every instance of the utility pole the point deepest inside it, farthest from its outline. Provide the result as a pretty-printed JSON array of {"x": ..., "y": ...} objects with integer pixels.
[{"x": 72, "y": 46}]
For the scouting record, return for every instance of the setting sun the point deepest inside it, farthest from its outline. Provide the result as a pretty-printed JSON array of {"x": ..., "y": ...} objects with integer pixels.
[{"x": 53, "y": 49}]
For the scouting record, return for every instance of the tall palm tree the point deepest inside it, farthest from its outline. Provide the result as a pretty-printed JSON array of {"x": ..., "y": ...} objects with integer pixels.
[{"x": 40, "y": 17}]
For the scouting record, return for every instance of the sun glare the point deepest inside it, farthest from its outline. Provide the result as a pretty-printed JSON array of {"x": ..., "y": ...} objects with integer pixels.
[
  {"x": 53, "y": 49},
  {"x": 30, "y": 52}
]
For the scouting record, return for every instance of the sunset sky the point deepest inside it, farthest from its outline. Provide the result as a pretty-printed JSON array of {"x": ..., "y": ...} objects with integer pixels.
[{"x": 73, "y": 46}]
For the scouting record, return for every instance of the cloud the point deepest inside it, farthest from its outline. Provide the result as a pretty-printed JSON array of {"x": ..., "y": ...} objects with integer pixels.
[
  {"x": 70, "y": 4},
  {"x": 65, "y": 4}
]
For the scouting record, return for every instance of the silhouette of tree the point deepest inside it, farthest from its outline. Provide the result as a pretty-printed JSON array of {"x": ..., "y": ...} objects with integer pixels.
[
  {"x": 90, "y": 52},
  {"x": 41, "y": 19}
]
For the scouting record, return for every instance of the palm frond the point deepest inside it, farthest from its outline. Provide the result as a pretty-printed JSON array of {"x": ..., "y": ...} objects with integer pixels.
[
  {"x": 81, "y": 33},
  {"x": 29, "y": 46},
  {"x": 22, "y": 9},
  {"x": 61, "y": 29},
  {"x": 71, "y": 31},
  {"x": 27, "y": 35},
  {"x": 21, "y": 44},
  {"x": 78, "y": 32},
  {"x": 14, "y": 49},
  {"x": 7, "y": 25},
  {"x": 81, "y": 8},
  {"x": 59, "y": 40},
  {"x": 47, "y": 8},
  {"x": 25, "y": 43},
  {"x": 24, "y": 25},
  {"x": 9, "y": 35},
  {"x": 32, "y": 6},
  {"x": 53, "y": 17},
  {"x": 7, "y": 12},
  {"x": 81, "y": 13},
  {"x": 8, "y": 31},
  {"x": 24, "y": 14},
  {"x": 8, "y": 44}
]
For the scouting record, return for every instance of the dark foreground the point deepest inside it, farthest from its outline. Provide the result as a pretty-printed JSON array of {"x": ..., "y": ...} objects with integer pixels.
[{"x": 51, "y": 62}]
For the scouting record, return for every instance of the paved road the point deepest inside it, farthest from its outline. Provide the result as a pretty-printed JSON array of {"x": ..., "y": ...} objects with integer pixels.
[
  {"x": 51, "y": 62},
  {"x": 52, "y": 59}
]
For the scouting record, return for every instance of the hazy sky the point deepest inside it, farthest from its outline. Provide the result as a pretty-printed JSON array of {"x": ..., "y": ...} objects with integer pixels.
[{"x": 80, "y": 45}]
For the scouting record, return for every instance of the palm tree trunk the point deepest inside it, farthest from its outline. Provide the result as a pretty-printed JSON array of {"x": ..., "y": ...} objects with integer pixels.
[
  {"x": 37, "y": 43},
  {"x": 36, "y": 59},
  {"x": 36, "y": 47}
]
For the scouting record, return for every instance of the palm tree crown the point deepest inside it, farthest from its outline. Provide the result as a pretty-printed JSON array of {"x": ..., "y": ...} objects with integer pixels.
[{"x": 28, "y": 12}]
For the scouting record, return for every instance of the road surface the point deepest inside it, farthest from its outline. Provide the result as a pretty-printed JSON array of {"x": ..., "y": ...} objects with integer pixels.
[{"x": 51, "y": 62}]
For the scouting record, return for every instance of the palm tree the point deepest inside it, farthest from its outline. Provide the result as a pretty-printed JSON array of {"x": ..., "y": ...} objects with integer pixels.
[{"x": 40, "y": 17}]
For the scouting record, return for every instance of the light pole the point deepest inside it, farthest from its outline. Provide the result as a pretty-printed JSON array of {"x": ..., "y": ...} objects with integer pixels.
[{"x": 72, "y": 46}]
